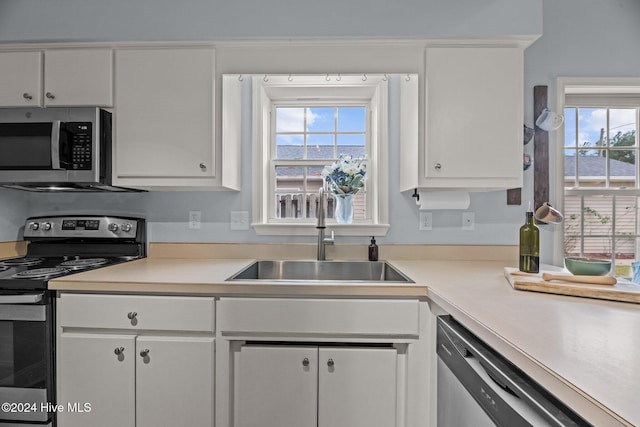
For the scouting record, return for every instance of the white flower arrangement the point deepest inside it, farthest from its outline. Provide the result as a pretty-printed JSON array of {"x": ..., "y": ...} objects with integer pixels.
[{"x": 346, "y": 175}]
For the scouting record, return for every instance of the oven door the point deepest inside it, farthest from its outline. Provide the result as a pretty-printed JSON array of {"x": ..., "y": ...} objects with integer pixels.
[{"x": 26, "y": 357}]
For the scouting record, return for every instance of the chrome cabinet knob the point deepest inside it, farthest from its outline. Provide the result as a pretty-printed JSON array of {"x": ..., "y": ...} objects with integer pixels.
[
  {"x": 113, "y": 227},
  {"x": 330, "y": 363},
  {"x": 305, "y": 361},
  {"x": 438, "y": 166},
  {"x": 126, "y": 227},
  {"x": 203, "y": 167},
  {"x": 144, "y": 353},
  {"x": 49, "y": 95},
  {"x": 132, "y": 315},
  {"x": 27, "y": 96},
  {"x": 118, "y": 351}
]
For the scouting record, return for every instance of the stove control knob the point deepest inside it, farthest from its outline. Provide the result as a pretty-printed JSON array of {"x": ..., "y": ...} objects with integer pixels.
[
  {"x": 126, "y": 227},
  {"x": 34, "y": 226},
  {"x": 46, "y": 226},
  {"x": 113, "y": 227}
]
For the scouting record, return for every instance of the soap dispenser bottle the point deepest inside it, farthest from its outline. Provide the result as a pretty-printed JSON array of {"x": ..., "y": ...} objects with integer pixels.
[
  {"x": 529, "y": 245},
  {"x": 373, "y": 250}
]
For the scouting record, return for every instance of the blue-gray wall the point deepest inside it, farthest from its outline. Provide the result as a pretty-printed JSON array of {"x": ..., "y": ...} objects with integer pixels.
[{"x": 580, "y": 37}]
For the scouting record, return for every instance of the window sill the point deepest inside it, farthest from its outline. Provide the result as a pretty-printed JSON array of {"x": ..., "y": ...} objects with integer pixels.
[{"x": 310, "y": 229}]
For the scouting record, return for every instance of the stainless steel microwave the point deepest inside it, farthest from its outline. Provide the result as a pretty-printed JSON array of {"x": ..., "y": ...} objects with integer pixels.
[{"x": 56, "y": 149}]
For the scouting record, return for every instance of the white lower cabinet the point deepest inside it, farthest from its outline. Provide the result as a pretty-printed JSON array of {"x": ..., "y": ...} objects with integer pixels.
[
  {"x": 162, "y": 375},
  {"x": 90, "y": 372},
  {"x": 324, "y": 386}
]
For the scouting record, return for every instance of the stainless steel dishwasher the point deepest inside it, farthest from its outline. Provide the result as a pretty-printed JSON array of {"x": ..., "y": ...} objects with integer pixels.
[{"x": 479, "y": 387}]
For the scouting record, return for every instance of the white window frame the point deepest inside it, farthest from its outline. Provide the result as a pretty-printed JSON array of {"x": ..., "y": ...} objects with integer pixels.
[
  {"x": 595, "y": 92},
  {"x": 308, "y": 90}
]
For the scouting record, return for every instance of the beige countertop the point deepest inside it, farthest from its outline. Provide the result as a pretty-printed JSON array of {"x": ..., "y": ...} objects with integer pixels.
[{"x": 583, "y": 350}]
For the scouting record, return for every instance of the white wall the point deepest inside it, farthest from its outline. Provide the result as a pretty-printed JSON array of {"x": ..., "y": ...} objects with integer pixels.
[
  {"x": 580, "y": 37},
  {"x": 36, "y": 20}
]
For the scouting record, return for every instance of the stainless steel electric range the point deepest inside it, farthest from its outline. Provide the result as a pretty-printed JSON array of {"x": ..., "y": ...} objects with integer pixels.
[{"x": 57, "y": 246}]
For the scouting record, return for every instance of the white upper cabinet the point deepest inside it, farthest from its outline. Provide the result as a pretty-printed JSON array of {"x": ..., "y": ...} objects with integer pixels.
[
  {"x": 76, "y": 77},
  {"x": 472, "y": 120},
  {"x": 164, "y": 118},
  {"x": 20, "y": 79},
  {"x": 57, "y": 78}
]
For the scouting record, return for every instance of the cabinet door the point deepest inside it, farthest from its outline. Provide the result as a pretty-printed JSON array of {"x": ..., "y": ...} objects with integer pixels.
[
  {"x": 78, "y": 77},
  {"x": 474, "y": 117},
  {"x": 174, "y": 381},
  {"x": 96, "y": 369},
  {"x": 164, "y": 114},
  {"x": 20, "y": 79},
  {"x": 357, "y": 387},
  {"x": 275, "y": 386}
]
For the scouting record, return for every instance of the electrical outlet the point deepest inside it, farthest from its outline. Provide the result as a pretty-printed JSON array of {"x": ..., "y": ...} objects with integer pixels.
[
  {"x": 195, "y": 218},
  {"x": 239, "y": 220},
  {"x": 426, "y": 221},
  {"x": 468, "y": 220}
]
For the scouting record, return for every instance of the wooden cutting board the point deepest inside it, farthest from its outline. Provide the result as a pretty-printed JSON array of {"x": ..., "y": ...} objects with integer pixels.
[{"x": 623, "y": 291}]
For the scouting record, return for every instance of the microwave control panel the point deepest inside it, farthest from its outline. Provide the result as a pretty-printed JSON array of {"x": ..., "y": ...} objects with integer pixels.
[{"x": 81, "y": 147}]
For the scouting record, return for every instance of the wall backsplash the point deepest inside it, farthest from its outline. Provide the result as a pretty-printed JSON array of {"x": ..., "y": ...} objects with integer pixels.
[{"x": 566, "y": 48}]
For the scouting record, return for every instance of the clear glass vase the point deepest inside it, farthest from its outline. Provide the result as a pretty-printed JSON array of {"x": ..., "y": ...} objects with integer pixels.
[{"x": 344, "y": 208}]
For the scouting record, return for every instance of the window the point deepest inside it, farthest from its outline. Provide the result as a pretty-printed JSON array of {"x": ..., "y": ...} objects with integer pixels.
[
  {"x": 304, "y": 123},
  {"x": 306, "y": 139},
  {"x": 601, "y": 186}
]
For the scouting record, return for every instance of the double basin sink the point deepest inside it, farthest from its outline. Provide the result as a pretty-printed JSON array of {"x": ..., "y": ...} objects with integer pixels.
[{"x": 321, "y": 271}]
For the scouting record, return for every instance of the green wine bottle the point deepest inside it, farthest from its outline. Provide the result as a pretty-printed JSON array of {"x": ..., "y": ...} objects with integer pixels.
[{"x": 529, "y": 245}]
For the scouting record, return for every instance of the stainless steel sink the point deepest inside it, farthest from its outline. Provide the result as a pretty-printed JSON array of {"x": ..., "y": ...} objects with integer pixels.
[{"x": 321, "y": 271}]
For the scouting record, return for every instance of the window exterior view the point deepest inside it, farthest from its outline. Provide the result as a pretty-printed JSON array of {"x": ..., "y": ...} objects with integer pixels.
[
  {"x": 307, "y": 139},
  {"x": 601, "y": 184}
]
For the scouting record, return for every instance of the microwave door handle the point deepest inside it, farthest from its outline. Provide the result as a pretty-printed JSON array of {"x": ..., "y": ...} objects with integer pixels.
[{"x": 55, "y": 145}]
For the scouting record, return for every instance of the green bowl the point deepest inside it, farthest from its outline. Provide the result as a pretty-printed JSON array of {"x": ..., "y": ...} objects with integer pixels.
[{"x": 588, "y": 266}]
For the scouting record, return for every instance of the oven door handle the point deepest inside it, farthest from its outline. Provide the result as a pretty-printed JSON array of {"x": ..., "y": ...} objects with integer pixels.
[
  {"x": 21, "y": 299},
  {"x": 55, "y": 145}
]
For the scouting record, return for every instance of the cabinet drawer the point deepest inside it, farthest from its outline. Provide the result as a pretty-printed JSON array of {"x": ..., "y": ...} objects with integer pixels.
[
  {"x": 319, "y": 316},
  {"x": 137, "y": 312}
]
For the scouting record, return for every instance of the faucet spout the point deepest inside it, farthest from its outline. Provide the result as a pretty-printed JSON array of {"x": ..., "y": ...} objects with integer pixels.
[{"x": 321, "y": 226}]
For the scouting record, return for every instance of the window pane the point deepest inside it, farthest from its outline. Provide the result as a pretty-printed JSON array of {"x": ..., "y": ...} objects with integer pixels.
[
  {"x": 289, "y": 119},
  {"x": 622, "y": 168},
  {"x": 290, "y": 205},
  {"x": 314, "y": 133},
  {"x": 359, "y": 203},
  {"x": 592, "y": 168},
  {"x": 320, "y": 146},
  {"x": 622, "y": 127},
  {"x": 572, "y": 227},
  {"x": 289, "y": 178},
  {"x": 592, "y": 123},
  {"x": 351, "y": 144},
  {"x": 351, "y": 119},
  {"x": 597, "y": 214},
  {"x": 321, "y": 119},
  {"x": 626, "y": 212},
  {"x": 597, "y": 247},
  {"x": 289, "y": 146},
  {"x": 314, "y": 178}
]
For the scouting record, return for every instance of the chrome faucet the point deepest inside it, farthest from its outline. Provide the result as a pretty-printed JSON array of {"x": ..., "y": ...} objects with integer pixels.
[{"x": 321, "y": 226}]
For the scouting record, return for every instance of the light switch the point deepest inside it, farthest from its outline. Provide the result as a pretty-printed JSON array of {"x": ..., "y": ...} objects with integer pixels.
[{"x": 239, "y": 220}]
